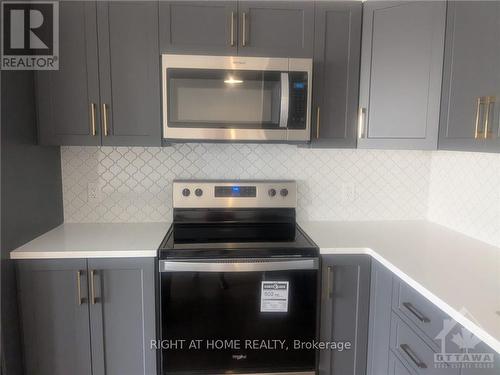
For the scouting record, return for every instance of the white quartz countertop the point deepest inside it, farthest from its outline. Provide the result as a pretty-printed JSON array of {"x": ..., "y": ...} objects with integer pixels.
[
  {"x": 459, "y": 274},
  {"x": 453, "y": 271},
  {"x": 95, "y": 241}
]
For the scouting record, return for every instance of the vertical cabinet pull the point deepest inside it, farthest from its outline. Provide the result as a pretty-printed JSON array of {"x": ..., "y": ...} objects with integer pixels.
[
  {"x": 232, "y": 30},
  {"x": 105, "y": 119},
  {"x": 79, "y": 287},
  {"x": 413, "y": 357},
  {"x": 244, "y": 29},
  {"x": 92, "y": 119},
  {"x": 93, "y": 297},
  {"x": 318, "y": 122},
  {"x": 330, "y": 281},
  {"x": 361, "y": 122},
  {"x": 477, "y": 117},
  {"x": 488, "y": 102}
]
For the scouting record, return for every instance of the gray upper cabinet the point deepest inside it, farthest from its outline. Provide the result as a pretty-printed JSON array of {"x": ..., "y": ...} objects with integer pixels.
[
  {"x": 88, "y": 317},
  {"x": 401, "y": 71},
  {"x": 55, "y": 317},
  {"x": 337, "y": 45},
  {"x": 123, "y": 316},
  {"x": 107, "y": 90},
  {"x": 129, "y": 73},
  {"x": 67, "y": 97},
  {"x": 471, "y": 80},
  {"x": 199, "y": 27},
  {"x": 276, "y": 28},
  {"x": 345, "y": 291}
]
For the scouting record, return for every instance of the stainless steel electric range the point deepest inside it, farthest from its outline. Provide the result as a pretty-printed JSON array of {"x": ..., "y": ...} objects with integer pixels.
[{"x": 238, "y": 281}]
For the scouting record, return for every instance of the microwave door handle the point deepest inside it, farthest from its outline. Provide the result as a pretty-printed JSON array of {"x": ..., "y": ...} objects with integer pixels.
[
  {"x": 285, "y": 100},
  {"x": 237, "y": 265}
]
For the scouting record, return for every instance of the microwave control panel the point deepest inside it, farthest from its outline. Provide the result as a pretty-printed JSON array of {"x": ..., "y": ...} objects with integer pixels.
[{"x": 297, "y": 114}]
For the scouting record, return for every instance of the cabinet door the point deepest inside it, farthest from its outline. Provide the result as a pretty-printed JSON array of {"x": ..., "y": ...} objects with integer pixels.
[
  {"x": 65, "y": 97},
  {"x": 396, "y": 367},
  {"x": 55, "y": 316},
  {"x": 276, "y": 28},
  {"x": 199, "y": 27},
  {"x": 129, "y": 73},
  {"x": 380, "y": 319},
  {"x": 122, "y": 316},
  {"x": 344, "y": 312},
  {"x": 471, "y": 71},
  {"x": 401, "y": 71},
  {"x": 337, "y": 46}
]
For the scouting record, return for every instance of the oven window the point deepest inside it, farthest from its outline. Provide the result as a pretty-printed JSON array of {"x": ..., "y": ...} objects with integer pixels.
[
  {"x": 223, "y": 98},
  {"x": 228, "y": 306}
]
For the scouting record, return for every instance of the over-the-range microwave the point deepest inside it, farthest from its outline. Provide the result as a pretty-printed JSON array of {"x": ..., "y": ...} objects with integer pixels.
[{"x": 233, "y": 98}]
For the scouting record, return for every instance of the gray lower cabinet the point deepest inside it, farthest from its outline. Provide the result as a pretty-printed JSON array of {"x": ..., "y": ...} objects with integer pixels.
[
  {"x": 88, "y": 317},
  {"x": 107, "y": 89},
  {"x": 337, "y": 45},
  {"x": 401, "y": 71},
  {"x": 67, "y": 99},
  {"x": 470, "y": 108},
  {"x": 54, "y": 308},
  {"x": 199, "y": 27},
  {"x": 345, "y": 294},
  {"x": 246, "y": 28}
]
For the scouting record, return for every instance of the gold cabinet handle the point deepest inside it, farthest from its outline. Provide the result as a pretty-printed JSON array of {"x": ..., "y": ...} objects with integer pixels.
[
  {"x": 318, "y": 122},
  {"x": 92, "y": 288},
  {"x": 92, "y": 119},
  {"x": 105, "y": 118},
  {"x": 362, "y": 122},
  {"x": 489, "y": 100},
  {"x": 232, "y": 29},
  {"x": 79, "y": 287},
  {"x": 477, "y": 117},
  {"x": 330, "y": 282},
  {"x": 244, "y": 29}
]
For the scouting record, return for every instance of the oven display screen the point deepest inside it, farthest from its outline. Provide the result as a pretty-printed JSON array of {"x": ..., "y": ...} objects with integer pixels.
[{"x": 235, "y": 191}]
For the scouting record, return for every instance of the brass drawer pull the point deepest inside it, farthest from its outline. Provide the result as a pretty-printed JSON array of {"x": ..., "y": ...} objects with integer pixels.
[
  {"x": 92, "y": 119},
  {"x": 477, "y": 117},
  {"x": 105, "y": 118},
  {"x": 79, "y": 287},
  {"x": 421, "y": 317},
  {"x": 362, "y": 122},
  {"x": 413, "y": 357},
  {"x": 93, "y": 297},
  {"x": 244, "y": 29},
  {"x": 232, "y": 30}
]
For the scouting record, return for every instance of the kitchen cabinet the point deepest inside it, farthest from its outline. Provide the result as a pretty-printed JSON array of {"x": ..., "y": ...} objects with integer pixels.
[
  {"x": 107, "y": 90},
  {"x": 88, "y": 317},
  {"x": 247, "y": 28},
  {"x": 337, "y": 46},
  {"x": 470, "y": 108},
  {"x": 345, "y": 295},
  {"x": 199, "y": 27},
  {"x": 401, "y": 71}
]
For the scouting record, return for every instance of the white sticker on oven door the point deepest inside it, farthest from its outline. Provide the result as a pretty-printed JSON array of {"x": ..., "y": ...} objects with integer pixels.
[{"x": 274, "y": 296}]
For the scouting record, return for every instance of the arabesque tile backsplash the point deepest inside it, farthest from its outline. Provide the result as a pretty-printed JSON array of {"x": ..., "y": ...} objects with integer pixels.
[{"x": 459, "y": 190}]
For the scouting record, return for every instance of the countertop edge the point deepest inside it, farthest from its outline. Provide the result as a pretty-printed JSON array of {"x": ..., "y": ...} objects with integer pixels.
[
  {"x": 453, "y": 313},
  {"x": 33, "y": 255}
]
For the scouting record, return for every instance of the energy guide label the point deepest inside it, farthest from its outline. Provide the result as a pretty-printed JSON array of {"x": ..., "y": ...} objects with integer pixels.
[{"x": 274, "y": 296}]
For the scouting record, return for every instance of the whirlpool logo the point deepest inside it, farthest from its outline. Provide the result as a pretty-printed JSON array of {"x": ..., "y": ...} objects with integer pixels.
[{"x": 30, "y": 35}]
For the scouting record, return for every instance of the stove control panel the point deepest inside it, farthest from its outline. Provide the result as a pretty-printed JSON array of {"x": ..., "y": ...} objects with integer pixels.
[{"x": 234, "y": 194}]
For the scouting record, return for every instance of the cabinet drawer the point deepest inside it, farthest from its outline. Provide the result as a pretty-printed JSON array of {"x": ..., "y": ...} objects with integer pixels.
[
  {"x": 396, "y": 367},
  {"x": 413, "y": 352},
  {"x": 422, "y": 313}
]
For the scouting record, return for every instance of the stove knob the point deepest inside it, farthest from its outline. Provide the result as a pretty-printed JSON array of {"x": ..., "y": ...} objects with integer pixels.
[
  {"x": 198, "y": 192},
  {"x": 271, "y": 192},
  {"x": 284, "y": 192},
  {"x": 186, "y": 192}
]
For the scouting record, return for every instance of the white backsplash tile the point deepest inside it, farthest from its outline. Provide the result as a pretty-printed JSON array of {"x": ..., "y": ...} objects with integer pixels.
[
  {"x": 134, "y": 183},
  {"x": 464, "y": 193}
]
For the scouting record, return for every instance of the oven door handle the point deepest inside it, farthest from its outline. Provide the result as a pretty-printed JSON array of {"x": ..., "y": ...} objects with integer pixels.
[
  {"x": 285, "y": 100},
  {"x": 237, "y": 265}
]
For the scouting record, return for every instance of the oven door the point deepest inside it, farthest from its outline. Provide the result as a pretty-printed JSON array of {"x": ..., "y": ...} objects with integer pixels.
[{"x": 248, "y": 315}]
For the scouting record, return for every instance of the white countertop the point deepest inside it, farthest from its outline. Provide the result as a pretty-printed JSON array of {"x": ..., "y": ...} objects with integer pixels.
[
  {"x": 453, "y": 271},
  {"x": 95, "y": 241}
]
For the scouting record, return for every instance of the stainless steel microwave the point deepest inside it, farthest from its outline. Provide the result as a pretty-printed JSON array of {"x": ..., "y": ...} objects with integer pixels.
[{"x": 233, "y": 98}]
